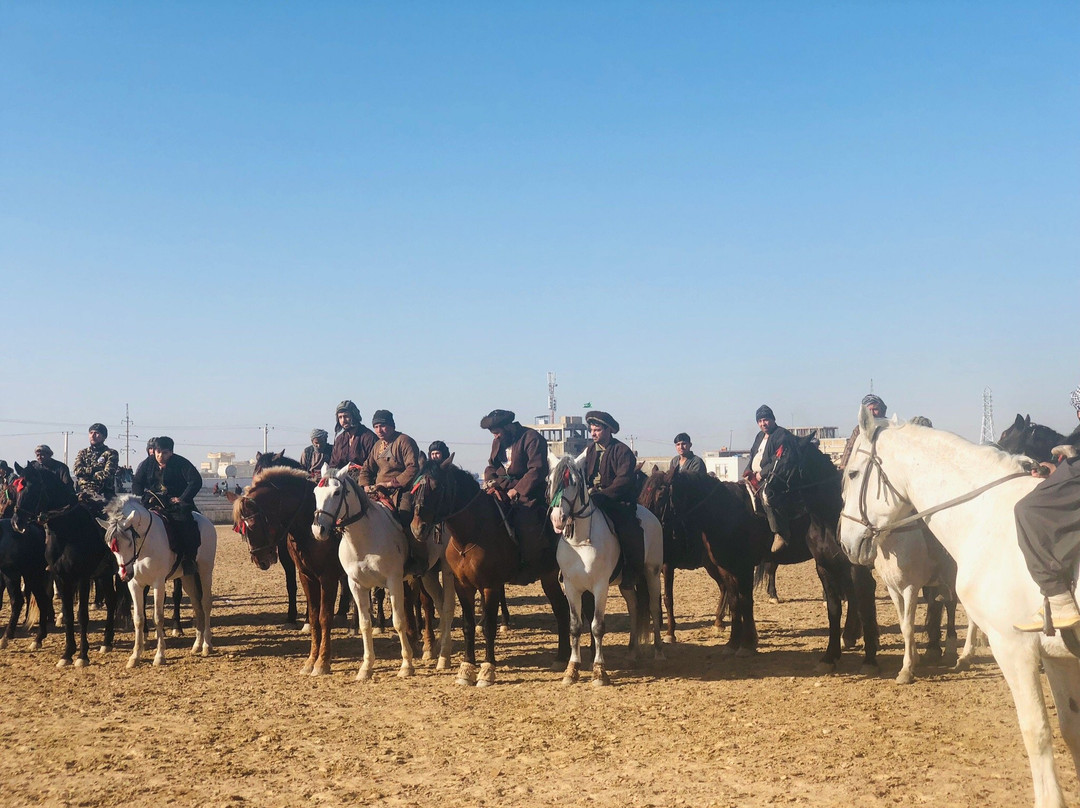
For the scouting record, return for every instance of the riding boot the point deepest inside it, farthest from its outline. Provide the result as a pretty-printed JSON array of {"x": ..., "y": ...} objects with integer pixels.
[
  {"x": 1063, "y": 614},
  {"x": 417, "y": 561},
  {"x": 778, "y": 543}
]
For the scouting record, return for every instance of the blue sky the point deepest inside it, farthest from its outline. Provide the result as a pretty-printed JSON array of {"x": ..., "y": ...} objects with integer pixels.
[{"x": 233, "y": 214}]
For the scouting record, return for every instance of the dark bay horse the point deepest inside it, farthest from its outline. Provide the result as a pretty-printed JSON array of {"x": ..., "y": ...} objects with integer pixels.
[
  {"x": 483, "y": 557},
  {"x": 682, "y": 550},
  {"x": 738, "y": 537},
  {"x": 22, "y": 560},
  {"x": 75, "y": 552},
  {"x": 1032, "y": 440},
  {"x": 278, "y": 509}
]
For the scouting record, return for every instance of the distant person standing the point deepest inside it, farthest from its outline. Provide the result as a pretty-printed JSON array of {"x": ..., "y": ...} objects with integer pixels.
[
  {"x": 95, "y": 467},
  {"x": 685, "y": 461},
  {"x": 317, "y": 453}
]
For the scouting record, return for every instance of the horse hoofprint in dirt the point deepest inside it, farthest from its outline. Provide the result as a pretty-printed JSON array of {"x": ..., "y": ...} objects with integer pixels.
[
  {"x": 895, "y": 468},
  {"x": 140, "y": 544},
  {"x": 588, "y": 553}
]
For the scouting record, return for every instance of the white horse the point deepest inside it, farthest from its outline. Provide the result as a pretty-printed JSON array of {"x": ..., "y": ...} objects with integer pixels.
[
  {"x": 138, "y": 539},
  {"x": 587, "y": 554},
  {"x": 373, "y": 552},
  {"x": 896, "y": 468}
]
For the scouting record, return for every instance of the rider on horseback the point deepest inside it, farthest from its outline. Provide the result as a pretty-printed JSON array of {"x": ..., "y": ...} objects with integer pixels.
[
  {"x": 610, "y": 469},
  {"x": 95, "y": 468},
  {"x": 516, "y": 475},
  {"x": 390, "y": 471},
  {"x": 354, "y": 443},
  {"x": 685, "y": 461},
  {"x": 319, "y": 452},
  {"x": 771, "y": 443},
  {"x": 45, "y": 461},
  {"x": 1048, "y": 528},
  {"x": 172, "y": 491}
]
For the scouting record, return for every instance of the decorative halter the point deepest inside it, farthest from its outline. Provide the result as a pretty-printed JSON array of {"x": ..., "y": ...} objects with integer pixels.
[
  {"x": 583, "y": 511},
  {"x": 883, "y": 482},
  {"x": 246, "y": 523},
  {"x": 341, "y": 520},
  {"x": 136, "y": 544}
]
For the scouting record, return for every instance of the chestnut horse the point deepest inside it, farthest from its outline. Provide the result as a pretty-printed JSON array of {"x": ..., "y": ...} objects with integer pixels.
[
  {"x": 279, "y": 507},
  {"x": 483, "y": 557}
]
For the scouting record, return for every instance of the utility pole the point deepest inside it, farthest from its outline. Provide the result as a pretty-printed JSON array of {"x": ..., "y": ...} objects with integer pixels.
[
  {"x": 127, "y": 435},
  {"x": 631, "y": 439},
  {"x": 66, "y": 433},
  {"x": 551, "y": 395},
  {"x": 266, "y": 432},
  {"x": 987, "y": 432}
]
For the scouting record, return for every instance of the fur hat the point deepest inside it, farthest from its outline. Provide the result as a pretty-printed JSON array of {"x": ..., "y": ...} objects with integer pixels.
[
  {"x": 870, "y": 398},
  {"x": 349, "y": 407},
  {"x": 44, "y": 449},
  {"x": 602, "y": 418},
  {"x": 764, "y": 411},
  {"x": 438, "y": 446},
  {"x": 319, "y": 434},
  {"x": 164, "y": 442},
  {"x": 682, "y": 437},
  {"x": 99, "y": 427},
  {"x": 383, "y": 417},
  {"x": 496, "y": 419},
  {"x": 151, "y": 444}
]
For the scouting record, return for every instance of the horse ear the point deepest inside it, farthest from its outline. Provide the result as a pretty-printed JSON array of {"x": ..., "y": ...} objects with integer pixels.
[
  {"x": 103, "y": 522},
  {"x": 1019, "y": 422},
  {"x": 324, "y": 472},
  {"x": 231, "y": 496},
  {"x": 19, "y": 469},
  {"x": 640, "y": 465},
  {"x": 448, "y": 462},
  {"x": 258, "y": 457},
  {"x": 553, "y": 461},
  {"x": 868, "y": 424},
  {"x": 655, "y": 469},
  {"x": 279, "y": 455},
  {"x": 1027, "y": 419}
]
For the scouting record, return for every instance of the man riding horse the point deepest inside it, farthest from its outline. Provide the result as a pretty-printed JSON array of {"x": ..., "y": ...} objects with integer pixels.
[
  {"x": 772, "y": 443},
  {"x": 353, "y": 441},
  {"x": 95, "y": 469},
  {"x": 610, "y": 469},
  {"x": 390, "y": 471},
  {"x": 685, "y": 461},
  {"x": 172, "y": 491},
  {"x": 1048, "y": 528},
  {"x": 319, "y": 452},
  {"x": 516, "y": 475}
]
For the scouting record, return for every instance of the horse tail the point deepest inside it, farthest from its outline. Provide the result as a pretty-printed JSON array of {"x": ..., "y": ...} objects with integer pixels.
[
  {"x": 33, "y": 613},
  {"x": 759, "y": 575}
]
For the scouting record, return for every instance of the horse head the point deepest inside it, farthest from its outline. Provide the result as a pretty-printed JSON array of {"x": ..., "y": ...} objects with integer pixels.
[
  {"x": 870, "y": 500},
  {"x": 567, "y": 492},
  {"x": 126, "y": 522},
  {"x": 1033, "y": 440},
  {"x": 38, "y": 491},
  {"x": 433, "y": 493},
  {"x": 339, "y": 501}
]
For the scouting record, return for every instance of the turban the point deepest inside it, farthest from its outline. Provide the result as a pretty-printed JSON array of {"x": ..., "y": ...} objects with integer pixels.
[
  {"x": 872, "y": 399},
  {"x": 603, "y": 419},
  {"x": 764, "y": 411},
  {"x": 383, "y": 417},
  {"x": 99, "y": 428},
  {"x": 922, "y": 420},
  {"x": 682, "y": 437},
  {"x": 319, "y": 434},
  {"x": 349, "y": 407},
  {"x": 497, "y": 419}
]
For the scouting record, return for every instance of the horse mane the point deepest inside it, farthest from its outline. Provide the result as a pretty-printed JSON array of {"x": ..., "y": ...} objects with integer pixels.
[
  {"x": 566, "y": 463},
  {"x": 114, "y": 510},
  {"x": 958, "y": 445},
  {"x": 276, "y": 473}
]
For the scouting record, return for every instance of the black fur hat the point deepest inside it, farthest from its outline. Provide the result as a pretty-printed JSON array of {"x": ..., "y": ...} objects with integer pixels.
[
  {"x": 99, "y": 427},
  {"x": 438, "y": 446},
  {"x": 383, "y": 417},
  {"x": 603, "y": 419},
  {"x": 496, "y": 419}
]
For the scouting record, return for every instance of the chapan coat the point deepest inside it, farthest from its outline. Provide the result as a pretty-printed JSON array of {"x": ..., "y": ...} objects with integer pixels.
[{"x": 528, "y": 470}]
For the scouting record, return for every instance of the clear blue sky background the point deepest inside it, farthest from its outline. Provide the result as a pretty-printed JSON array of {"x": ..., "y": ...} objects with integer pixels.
[{"x": 230, "y": 214}]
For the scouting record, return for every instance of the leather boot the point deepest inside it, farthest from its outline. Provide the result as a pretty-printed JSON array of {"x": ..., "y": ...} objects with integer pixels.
[{"x": 1063, "y": 614}]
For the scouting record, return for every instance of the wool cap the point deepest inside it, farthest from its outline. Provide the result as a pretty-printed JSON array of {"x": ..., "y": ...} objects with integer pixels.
[
  {"x": 152, "y": 443},
  {"x": 99, "y": 428},
  {"x": 496, "y": 419},
  {"x": 872, "y": 399},
  {"x": 383, "y": 417},
  {"x": 44, "y": 449},
  {"x": 764, "y": 411},
  {"x": 682, "y": 437},
  {"x": 603, "y": 419},
  {"x": 438, "y": 446}
]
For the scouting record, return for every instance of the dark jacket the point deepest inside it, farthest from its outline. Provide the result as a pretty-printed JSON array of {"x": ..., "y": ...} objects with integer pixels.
[
  {"x": 393, "y": 464},
  {"x": 528, "y": 470},
  {"x": 178, "y": 479},
  {"x": 312, "y": 458},
  {"x": 780, "y": 442},
  {"x": 57, "y": 468},
  {"x": 617, "y": 466},
  {"x": 352, "y": 447},
  {"x": 694, "y": 465},
  {"x": 143, "y": 478}
]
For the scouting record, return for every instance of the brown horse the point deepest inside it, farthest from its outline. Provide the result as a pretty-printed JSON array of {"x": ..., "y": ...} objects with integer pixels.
[
  {"x": 682, "y": 551},
  {"x": 483, "y": 557},
  {"x": 281, "y": 502}
]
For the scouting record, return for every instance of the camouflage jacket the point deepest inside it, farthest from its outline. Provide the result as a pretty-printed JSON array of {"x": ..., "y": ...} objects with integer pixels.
[{"x": 95, "y": 470}]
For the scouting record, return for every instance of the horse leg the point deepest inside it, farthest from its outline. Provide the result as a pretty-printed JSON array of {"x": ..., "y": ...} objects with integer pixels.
[
  {"x": 313, "y": 595},
  {"x": 467, "y": 598},
  {"x": 206, "y": 578},
  {"x": 409, "y": 610},
  {"x": 950, "y": 629},
  {"x": 573, "y": 667},
  {"x": 486, "y": 677},
  {"x": 289, "y": 566},
  {"x": 67, "y": 609},
  {"x": 600, "y": 676},
  {"x": 906, "y": 601},
  {"x": 1064, "y": 677},
  {"x": 504, "y": 616},
  {"x": 834, "y": 603},
  {"x": 362, "y": 595},
  {"x": 446, "y": 617},
  {"x": 748, "y": 639},
  {"x": 380, "y": 609},
  {"x": 107, "y": 586},
  {"x": 83, "y": 658},
  {"x": 550, "y": 583},
  {"x": 399, "y": 609},
  {"x": 427, "y": 606},
  {"x": 669, "y": 601},
  {"x": 971, "y": 642},
  {"x": 15, "y": 595},
  {"x": 39, "y": 588},
  {"x": 864, "y": 587},
  {"x": 652, "y": 584},
  {"x": 160, "y": 596},
  {"x": 629, "y": 592},
  {"x": 324, "y": 591}
]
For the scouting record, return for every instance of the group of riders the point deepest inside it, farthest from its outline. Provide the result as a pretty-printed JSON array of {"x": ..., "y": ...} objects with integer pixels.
[{"x": 386, "y": 463}]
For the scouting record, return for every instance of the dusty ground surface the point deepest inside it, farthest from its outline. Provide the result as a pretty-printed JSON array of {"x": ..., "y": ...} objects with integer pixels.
[{"x": 699, "y": 728}]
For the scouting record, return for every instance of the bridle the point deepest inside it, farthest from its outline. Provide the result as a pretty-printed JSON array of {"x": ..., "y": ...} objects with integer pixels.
[
  {"x": 340, "y": 520},
  {"x": 883, "y": 482},
  {"x": 41, "y": 515},
  {"x": 136, "y": 545},
  {"x": 584, "y": 510},
  {"x": 246, "y": 523}
]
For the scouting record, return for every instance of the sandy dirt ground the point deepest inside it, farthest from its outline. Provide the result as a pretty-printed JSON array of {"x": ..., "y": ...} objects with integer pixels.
[{"x": 698, "y": 728}]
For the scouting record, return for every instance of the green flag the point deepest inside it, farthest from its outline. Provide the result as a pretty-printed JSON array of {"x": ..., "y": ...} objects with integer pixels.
[{"x": 586, "y": 405}]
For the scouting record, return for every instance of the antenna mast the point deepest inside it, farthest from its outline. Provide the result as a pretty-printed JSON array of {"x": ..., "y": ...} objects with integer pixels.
[
  {"x": 127, "y": 435},
  {"x": 987, "y": 432},
  {"x": 551, "y": 395}
]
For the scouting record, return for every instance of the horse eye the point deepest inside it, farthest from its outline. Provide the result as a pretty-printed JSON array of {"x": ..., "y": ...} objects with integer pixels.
[{"x": 852, "y": 474}]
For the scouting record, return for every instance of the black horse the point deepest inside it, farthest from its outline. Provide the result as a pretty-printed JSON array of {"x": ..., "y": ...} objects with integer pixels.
[
  {"x": 75, "y": 552},
  {"x": 1033, "y": 440},
  {"x": 738, "y": 537},
  {"x": 22, "y": 563}
]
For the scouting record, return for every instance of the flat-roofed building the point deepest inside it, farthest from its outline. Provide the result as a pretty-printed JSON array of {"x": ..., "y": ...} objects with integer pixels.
[{"x": 567, "y": 435}]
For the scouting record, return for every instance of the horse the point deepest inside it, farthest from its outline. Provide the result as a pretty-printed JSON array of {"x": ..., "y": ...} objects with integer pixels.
[
  {"x": 22, "y": 559},
  {"x": 681, "y": 551},
  {"x": 373, "y": 550},
  {"x": 139, "y": 541},
  {"x": 483, "y": 557},
  {"x": 1033, "y": 440},
  {"x": 277, "y": 509},
  {"x": 590, "y": 559},
  {"x": 75, "y": 553},
  {"x": 738, "y": 537},
  {"x": 966, "y": 494}
]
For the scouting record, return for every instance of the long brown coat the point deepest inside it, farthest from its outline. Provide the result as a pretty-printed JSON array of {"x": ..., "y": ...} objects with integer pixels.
[
  {"x": 393, "y": 464},
  {"x": 352, "y": 447},
  {"x": 618, "y": 466},
  {"x": 528, "y": 470}
]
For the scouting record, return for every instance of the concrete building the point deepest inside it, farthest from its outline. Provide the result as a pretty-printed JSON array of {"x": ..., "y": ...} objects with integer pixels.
[
  {"x": 568, "y": 435},
  {"x": 727, "y": 466}
]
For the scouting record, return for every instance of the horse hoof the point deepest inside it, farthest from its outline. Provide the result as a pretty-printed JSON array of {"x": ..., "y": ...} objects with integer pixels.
[
  {"x": 3, "y": 643},
  {"x": 308, "y": 668},
  {"x": 427, "y": 656},
  {"x": 35, "y": 645},
  {"x": 869, "y": 669},
  {"x": 487, "y": 675},
  {"x": 962, "y": 664},
  {"x": 105, "y": 649},
  {"x": 932, "y": 653},
  {"x": 351, "y": 632},
  {"x": 305, "y": 629},
  {"x": 773, "y": 599},
  {"x": 823, "y": 668},
  {"x": 132, "y": 663},
  {"x": 63, "y": 663},
  {"x": 744, "y": 653},
  {"x": 405, "y": 673},
  {"x": 376, "y": 630},
  {"x": 443, "y": 664},
  {"x": 364, "y": 675},
  {"x": 321, "y": 668},
  {"x": 207, "y": 651},
  {"x": 502, "y": 630},
  {"x": 159, "y": 662},
  {"x": 905, "y": 677},
  {"x": 600, "y": 678},
  {"x": 175, "y": 632},
  {"x": 670, "y": 639},
  {"x": 82, "y": 662}
]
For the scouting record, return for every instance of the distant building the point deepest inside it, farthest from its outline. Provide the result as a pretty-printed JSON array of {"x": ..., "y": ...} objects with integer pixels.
[
  {"x": 727, "y": 466},
  {"x": 568, "y": 435},
  {"x": 829, "y": 441}
]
